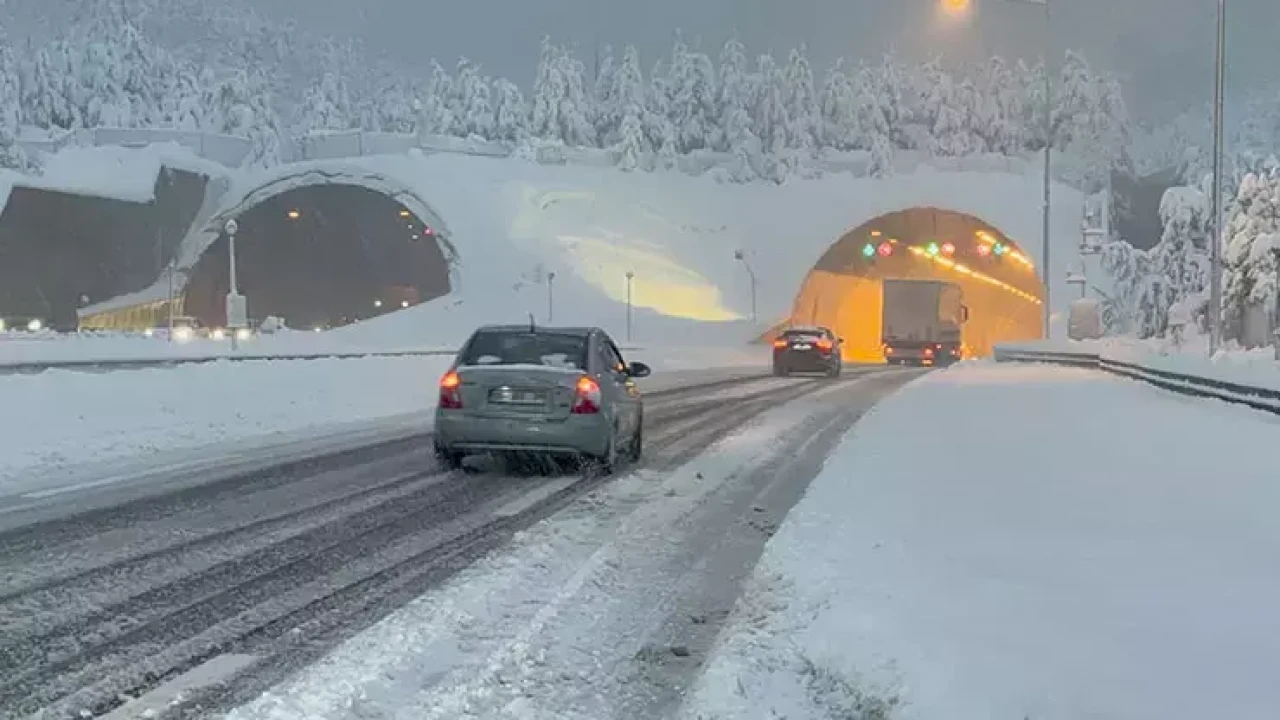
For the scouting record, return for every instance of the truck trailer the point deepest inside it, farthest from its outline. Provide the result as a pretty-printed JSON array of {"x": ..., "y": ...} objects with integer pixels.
[{"x": 921, "y": 322}]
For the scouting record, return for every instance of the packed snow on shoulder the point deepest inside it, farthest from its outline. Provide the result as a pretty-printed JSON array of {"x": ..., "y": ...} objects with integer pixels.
[{"x": 1019, "y": 542}]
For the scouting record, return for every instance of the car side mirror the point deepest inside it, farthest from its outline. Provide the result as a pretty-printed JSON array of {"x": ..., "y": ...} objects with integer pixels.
[{"x": 638, "y": 370}]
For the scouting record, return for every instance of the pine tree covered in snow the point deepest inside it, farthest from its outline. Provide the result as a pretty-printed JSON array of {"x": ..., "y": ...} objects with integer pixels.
[
  {"x": 1250, "y": 277},
  {"x": 241, "y": 105},
  {"x": 472, "y": 104},
  {"x": 561, "y": 110},
  {"x": 12, "y": 156},
  {"x": 510, "y": 112},
  {"x": 693, "y": 110},
  {"x": 327, "y": 107}
]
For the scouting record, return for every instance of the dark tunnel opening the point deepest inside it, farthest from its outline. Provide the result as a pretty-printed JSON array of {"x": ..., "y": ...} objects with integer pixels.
[
  {"x": 60, "y": 251},
  {"x": 322, "y": 256}
]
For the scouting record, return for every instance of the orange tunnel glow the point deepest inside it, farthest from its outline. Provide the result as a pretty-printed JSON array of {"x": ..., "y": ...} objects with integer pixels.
[{"x": 1000, "y": 284}]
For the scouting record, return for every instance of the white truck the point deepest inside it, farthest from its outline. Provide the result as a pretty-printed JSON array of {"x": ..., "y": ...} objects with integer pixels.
[{"x": 921, "y": 322}]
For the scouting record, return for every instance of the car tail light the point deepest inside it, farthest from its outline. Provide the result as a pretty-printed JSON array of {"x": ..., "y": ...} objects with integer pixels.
[
  {"x": 825, "y": 345},
  {"x": 450, "y": 398},
  {"x": 928, "y": 352},
  {"x": 779, "y": 343},
  {"x": 888, "y": 350},
  {"x": 586, "y": 397}
]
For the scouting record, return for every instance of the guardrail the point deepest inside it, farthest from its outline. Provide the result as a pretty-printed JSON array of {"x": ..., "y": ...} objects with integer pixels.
[
  {"x": 105, "y": 365},
  {"x": 1258, "y": 398}
]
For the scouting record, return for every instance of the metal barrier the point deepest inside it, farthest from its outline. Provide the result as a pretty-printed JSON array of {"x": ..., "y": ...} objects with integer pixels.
[
  {"x": 1258, "y": 398},
  {"x": 105, "y": 365}
]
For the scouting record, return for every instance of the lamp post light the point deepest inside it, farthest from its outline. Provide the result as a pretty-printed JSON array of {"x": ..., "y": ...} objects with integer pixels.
[
  {"x": 551, "y": 296},
  {"x": 1215, "y": 243},
  {"x": 741, "y": 257},
  {"x": 631, "y": 276},
  {"x": 237, "y": 312}
]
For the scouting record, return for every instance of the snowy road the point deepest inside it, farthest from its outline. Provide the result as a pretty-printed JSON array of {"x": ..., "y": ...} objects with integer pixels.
[{"x": 255, "y": 577}]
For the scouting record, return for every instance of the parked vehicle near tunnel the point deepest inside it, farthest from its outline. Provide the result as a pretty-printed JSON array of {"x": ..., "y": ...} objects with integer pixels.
[
  {"x": 921, "y": 322},
  {"x": 540, "y": 390}
]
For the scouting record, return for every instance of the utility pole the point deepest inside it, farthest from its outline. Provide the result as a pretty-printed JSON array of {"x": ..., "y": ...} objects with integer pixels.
[
  {"x": 237, "y": 312},
  {"x": 551, "y": 297},
  {"x": 1219, "y": 232}
]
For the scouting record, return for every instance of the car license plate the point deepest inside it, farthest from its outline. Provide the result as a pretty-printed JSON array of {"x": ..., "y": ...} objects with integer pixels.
[
  {"x": 509, "y": 396},
  {"x": 801, "y": 346}
]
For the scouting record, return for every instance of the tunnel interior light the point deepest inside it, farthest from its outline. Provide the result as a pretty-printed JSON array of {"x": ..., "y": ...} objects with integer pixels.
[
  {"x": 875, "y": 233},
  {"x": 948, "y": 249},
  {"x": 404, "y": 213},
  {"x": 294, "y": 214},
  {"x": 377, "y": 303},
  {"x": 868, "y": 250},
  {"x": 404, "y": 303},
  {"x": 885, "y": 249},
  {"x": 964, "y": 270}
]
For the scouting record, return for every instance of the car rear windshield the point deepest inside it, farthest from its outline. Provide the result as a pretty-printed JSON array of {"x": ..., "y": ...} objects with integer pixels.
[
  {"x": 525, "y": 348},
  {"x": 802, "y": 334}
]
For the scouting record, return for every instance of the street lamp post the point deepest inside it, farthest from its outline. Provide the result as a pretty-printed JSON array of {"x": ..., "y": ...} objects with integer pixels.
[
  {"x": 741, "y": 257},
  {"x": 1215, "y": 243},
  {"x": 1048, "y": 151},
  {"x": 237, "y": 312},
  {"x": 631, "y": 276},
  {"x": 551, "y": 296}
]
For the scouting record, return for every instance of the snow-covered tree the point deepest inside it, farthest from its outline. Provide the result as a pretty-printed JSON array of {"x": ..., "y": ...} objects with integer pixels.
[
  {"x": 241, "y": 105},
  {"x": 510, "y": 112},
  {"x": 694, "y": 111},
  {"x": 327, "y": 107},
  {"x": 606, "y": 112},
  {"x": 628, "y": 97},
  {"x": 561, "y": 108},
  {"x": 658, "y": 128},
  {"x": 737, "y": 88},
  {"x": 1250, "y": 278},
  {"x": 838, "y": 105},
  {"x": 12, "y": 155},
  {"x": 471, "y": 104},
  {"x": 1179, "y": 263},
  {"x": 804, "y": 122},
  {"x": 435, "y": 115}
]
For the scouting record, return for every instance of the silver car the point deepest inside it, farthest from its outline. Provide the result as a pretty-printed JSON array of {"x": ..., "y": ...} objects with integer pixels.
[{"x": 542, "y": 390}]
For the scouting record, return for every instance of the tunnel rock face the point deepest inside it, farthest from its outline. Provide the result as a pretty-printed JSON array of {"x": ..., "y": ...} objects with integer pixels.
[
  {"x": 321, "y": 256},
  {"x": 998, "y": 279}
]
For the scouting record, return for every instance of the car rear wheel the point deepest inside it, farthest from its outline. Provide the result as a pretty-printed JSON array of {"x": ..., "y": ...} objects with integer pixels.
[
  {"x": 834, "y": 372},
  {"x": 449, "y": 459},
  {"x": 780, "y": 371}
]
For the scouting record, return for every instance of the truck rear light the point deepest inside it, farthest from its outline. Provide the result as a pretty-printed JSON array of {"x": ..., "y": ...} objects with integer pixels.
[
  {"x": 888, "y": 350},
  {"x": 586, "y": 399},
  {"x": 928, "y": 352},
  {"x": 450, "y": 397}
]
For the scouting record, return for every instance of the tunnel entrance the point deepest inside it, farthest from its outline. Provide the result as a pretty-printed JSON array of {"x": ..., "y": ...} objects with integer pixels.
[
  {"x": 999, "y": 281},
  {"x": 322, "y": 256}
]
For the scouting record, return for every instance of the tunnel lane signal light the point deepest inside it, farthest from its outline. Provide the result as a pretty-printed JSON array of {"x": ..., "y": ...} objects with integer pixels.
[
  {"x": 868, "y": 250},
  {"x": 933, "y": 249},
  {"x": 984, "y": 250},
  {"x": 999, "y": 250},
  {"x": 948, "y": 249},
  {"x": 885, "y": 249}
]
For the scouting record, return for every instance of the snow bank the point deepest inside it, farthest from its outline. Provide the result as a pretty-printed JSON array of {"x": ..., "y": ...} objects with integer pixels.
[
  {"x": 989, "y": 579},
  {"x": 1254, "y": 368},
  {"x": 71, "y": 421},
  {"x": 116, "y": 172}
]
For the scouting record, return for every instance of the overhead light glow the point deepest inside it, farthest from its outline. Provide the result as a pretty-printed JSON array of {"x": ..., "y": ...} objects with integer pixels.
[
  {"x": 404, "y": 213},
  {"x": 294, "y": 214}
]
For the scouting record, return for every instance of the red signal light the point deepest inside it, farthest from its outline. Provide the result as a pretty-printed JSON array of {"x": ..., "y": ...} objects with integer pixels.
[
  {"x": 885, "y": 249},
  {"x": 984, "y": 250},
  {"x": 948, "y": 249}
]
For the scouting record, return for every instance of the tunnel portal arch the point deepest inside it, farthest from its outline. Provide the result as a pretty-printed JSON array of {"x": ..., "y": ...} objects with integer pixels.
[{"x": 1000, "y": 280}]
